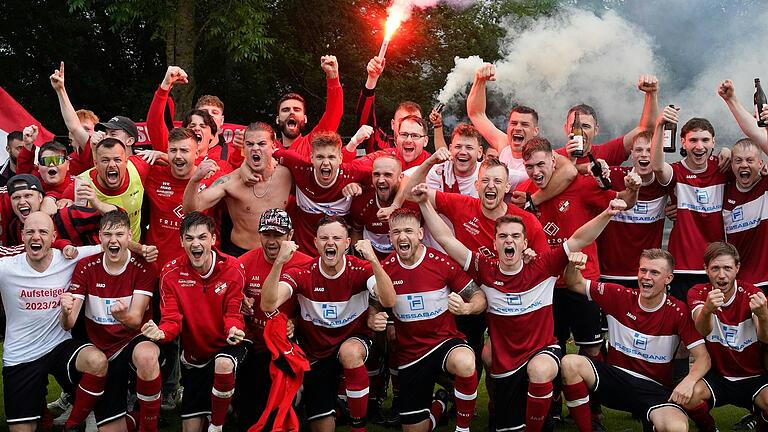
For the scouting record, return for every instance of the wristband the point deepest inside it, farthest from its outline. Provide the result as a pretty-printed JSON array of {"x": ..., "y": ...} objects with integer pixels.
[{"x": 529, "y": 205}]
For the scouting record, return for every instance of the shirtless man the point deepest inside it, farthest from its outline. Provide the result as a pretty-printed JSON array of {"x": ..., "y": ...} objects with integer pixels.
[{"x": 245, "y": 200}]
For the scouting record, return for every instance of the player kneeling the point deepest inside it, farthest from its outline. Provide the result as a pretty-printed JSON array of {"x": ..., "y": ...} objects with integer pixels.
[
  {"x": 200, "y": 295},
  {"x": 733, "y": 317},
  {"x": 645, "y": 327},
  {"x": 116, "y": 288}
]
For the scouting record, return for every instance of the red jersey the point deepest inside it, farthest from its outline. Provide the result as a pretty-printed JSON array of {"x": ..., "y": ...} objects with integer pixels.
[
  {"x": 422, "y": 319},
  {"x": 744, "y": 214},
  {"x": 313, "y": 201},
  {"x": 165, "y": 194},
  {"x": 99, "y": 290},
  {"x": 633, "y": 230},
  {"x": 519, "y": 312},
  {"x": 202, "y": 308},
  {"x": 562, "y": 215},
  {"x": 333, "y": 308},
  {"x": 699, "y": 222},
  {"x": 257, "y": 269},
  {"x": 643, "y": 341},
  {"x": 334, "y": 110},
  {"x": 362, "y": 215},
  {"x": 472, "y": 228},
  {"x": 612, "y": 152},
  {"x": 733, "y": 344}
]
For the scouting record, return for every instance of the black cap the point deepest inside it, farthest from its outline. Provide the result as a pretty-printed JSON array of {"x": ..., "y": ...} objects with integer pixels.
[
  {"x": 22, "y": 182},
  {"x": 120, "y": 122},
  {"x": 275, "y": 220}
]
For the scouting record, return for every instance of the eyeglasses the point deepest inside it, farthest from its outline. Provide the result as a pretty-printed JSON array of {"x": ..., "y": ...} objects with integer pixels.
[
  {"x": 413, "y": 136},
  {"x": 55, "y": 160}
]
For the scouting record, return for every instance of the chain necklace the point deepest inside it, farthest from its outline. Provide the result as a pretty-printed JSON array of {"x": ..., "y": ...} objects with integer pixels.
[{"x": 266, "y": 191}]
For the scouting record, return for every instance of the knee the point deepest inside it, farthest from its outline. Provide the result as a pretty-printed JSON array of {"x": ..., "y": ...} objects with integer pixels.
[
  {"x": 570, "y": 365},
  {"x": 145, "y": 356},
  {"x": 462, "y": 362},
  {"x": 487, "y": 356},
  {"x": 352, "y": 354},
  {"x": 541, "y": 369},
  {"x": 675, "y": 425},
  {"x": 700, "y": 394},
  {"x": 94, "y": 361},
  {"x": 224, "y": 365}
]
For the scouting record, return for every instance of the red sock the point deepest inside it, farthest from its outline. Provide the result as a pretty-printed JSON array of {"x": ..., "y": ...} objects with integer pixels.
[
  {"x": 88, "y": 392},
  {"x": 701, "y": 417},
  {"x": 537, "y": 407},
  {"x": 148, "y": 393},
  {"x": 357, "y": 396},
  {"x": 465, "y": 392},
  {"x": 435, "y": 412},
  {"x": 221, "y": 396},
  {"x": 577, "y": 401},
  {"x": 132, "y": 421}
]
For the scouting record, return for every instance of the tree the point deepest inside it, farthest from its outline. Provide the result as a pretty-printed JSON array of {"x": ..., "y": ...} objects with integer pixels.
[{"x": 237, "y": 26}]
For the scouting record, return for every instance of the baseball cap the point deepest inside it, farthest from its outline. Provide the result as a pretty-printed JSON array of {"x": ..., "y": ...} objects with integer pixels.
[
  {"x": 22, "y": 182},
  {"x": 120, "y": 122},
  {"x": 275, "y": 220}
]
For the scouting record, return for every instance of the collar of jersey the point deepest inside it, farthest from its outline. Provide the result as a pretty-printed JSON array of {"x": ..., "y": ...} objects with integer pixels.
[
  {"x": 416, "y": 264},
  {"x": 336, "y": 276}
]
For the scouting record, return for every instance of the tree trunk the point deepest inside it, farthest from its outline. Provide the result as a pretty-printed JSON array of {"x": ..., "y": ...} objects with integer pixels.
[{"x": 180, "y": 44}]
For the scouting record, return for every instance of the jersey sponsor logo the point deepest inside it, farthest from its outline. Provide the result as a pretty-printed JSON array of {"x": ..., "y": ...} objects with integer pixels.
[
  {"x": 486, "y": 252},
  {"x": 339, "y": 207},
  {"x": 179, "y": 211},
  {"x": 421, "y": 306},
  {"x": 551, "y": 229},
  {"x": 380, "y": 242},
  {"x": 746, "y": 216},
  {"x": 165, "y": 190},
  {"x": 700, "y": 199},
  {"x": 519, "y": 303},
  {"x": 186, "y": 282},
  {"x": 643, "y": 212},
  {"x": 639, "y": 345},
  {"x": 99, "y": 309},
  {"x": 333, "y": 314},
  {"x": 736, "y": 337},
  {"x": 471, "y": 226}
]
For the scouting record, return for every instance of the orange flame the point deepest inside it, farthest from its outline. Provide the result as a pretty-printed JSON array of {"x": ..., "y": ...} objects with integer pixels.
[{"x": 397, "y": 13}]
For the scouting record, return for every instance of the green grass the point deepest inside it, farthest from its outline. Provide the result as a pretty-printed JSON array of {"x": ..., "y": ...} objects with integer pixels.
[{"x": 615, "y": 421}]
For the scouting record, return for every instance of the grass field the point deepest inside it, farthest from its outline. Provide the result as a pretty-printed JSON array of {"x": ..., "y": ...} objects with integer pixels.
[{"x": 615, "y": 421}]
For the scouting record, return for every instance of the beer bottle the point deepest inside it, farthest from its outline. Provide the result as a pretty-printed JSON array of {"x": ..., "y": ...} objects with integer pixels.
[
  {"x": 760, "y": 102},
  {"x": 578, "y": 135},
  {"x": 597, "y": 172},
  {"x": 670, "y": 132}
]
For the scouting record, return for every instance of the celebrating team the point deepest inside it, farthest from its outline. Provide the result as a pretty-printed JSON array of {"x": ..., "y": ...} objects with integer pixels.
[{"x": 269, "y": 263}]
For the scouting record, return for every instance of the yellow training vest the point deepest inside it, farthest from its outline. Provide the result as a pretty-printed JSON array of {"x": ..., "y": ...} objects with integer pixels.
[{"x": 130, "y": 200}]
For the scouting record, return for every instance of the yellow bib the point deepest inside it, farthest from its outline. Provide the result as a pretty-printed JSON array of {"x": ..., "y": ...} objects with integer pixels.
[{"x": 130, "y": 200}]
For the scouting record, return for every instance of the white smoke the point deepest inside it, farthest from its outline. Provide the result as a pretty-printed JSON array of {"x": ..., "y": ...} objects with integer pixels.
[{"x": 578, "y": 56}]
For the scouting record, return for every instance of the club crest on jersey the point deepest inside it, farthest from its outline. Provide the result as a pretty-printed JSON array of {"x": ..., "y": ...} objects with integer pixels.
[
  {"x": 702, "y": 196},
  {"x": 179, "y": 212},
  {"x": 330, "y": 311},
  {"x": 514, "y": 299},
  {"x": 551, "y": 229},
  {"x": 563, "y": 206},
  {"x": 415, "y": 302},
  {"x": 220, "y": 287},
  {"x": 640, "y": 341}
]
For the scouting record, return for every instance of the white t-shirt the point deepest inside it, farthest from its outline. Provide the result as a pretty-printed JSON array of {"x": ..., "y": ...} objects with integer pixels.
[
  {"x": 32, "y": 304},
  {"x": 441, "y": 177},
  {"x": 516, "y": 167}
]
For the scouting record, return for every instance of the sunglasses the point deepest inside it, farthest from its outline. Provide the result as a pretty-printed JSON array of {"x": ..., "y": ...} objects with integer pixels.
[{"x": 55, "y": 160}]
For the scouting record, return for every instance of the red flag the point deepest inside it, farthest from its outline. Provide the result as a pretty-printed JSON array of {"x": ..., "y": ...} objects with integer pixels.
[{"x": 14, "y": 117}]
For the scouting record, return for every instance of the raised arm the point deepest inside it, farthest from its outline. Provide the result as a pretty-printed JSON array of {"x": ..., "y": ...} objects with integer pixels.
[
  {"x": 273, "y": 292},
  {"x": 572, "y": 277},
  {"x": 649, "y": 85},
  {"x": 130, "y": 315},
  {"x": 632, "y": 182},
  {"x": 660, "y": 167},
  {"x": 156, "y": 127},
  {"x": 744, "y": 118},
  {"x": 437, "y": 227},
  {"x": 757, "y": 303},
  {"x": 436, "y": 118},
  {"x": 476, "y": 108},
  {"x": 195, "y": 200},
  {"x": 334, "y": 99},
  {"x": 419, "y": 175},
  {"x": 70, "y": 310},
  {"x": 79, "y": 134},
  {"x": 384, "y": 288}
]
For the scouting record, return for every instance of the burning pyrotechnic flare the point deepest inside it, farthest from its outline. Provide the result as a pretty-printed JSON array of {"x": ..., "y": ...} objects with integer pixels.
[{"x": 396, "y": 14}]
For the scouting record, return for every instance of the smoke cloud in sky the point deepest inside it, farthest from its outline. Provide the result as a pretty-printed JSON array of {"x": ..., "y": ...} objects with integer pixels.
[{"x": 596, "y": 56}]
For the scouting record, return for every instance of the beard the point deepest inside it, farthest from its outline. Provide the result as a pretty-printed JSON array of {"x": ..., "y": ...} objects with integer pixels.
[{"x": 291, "y": 127}]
